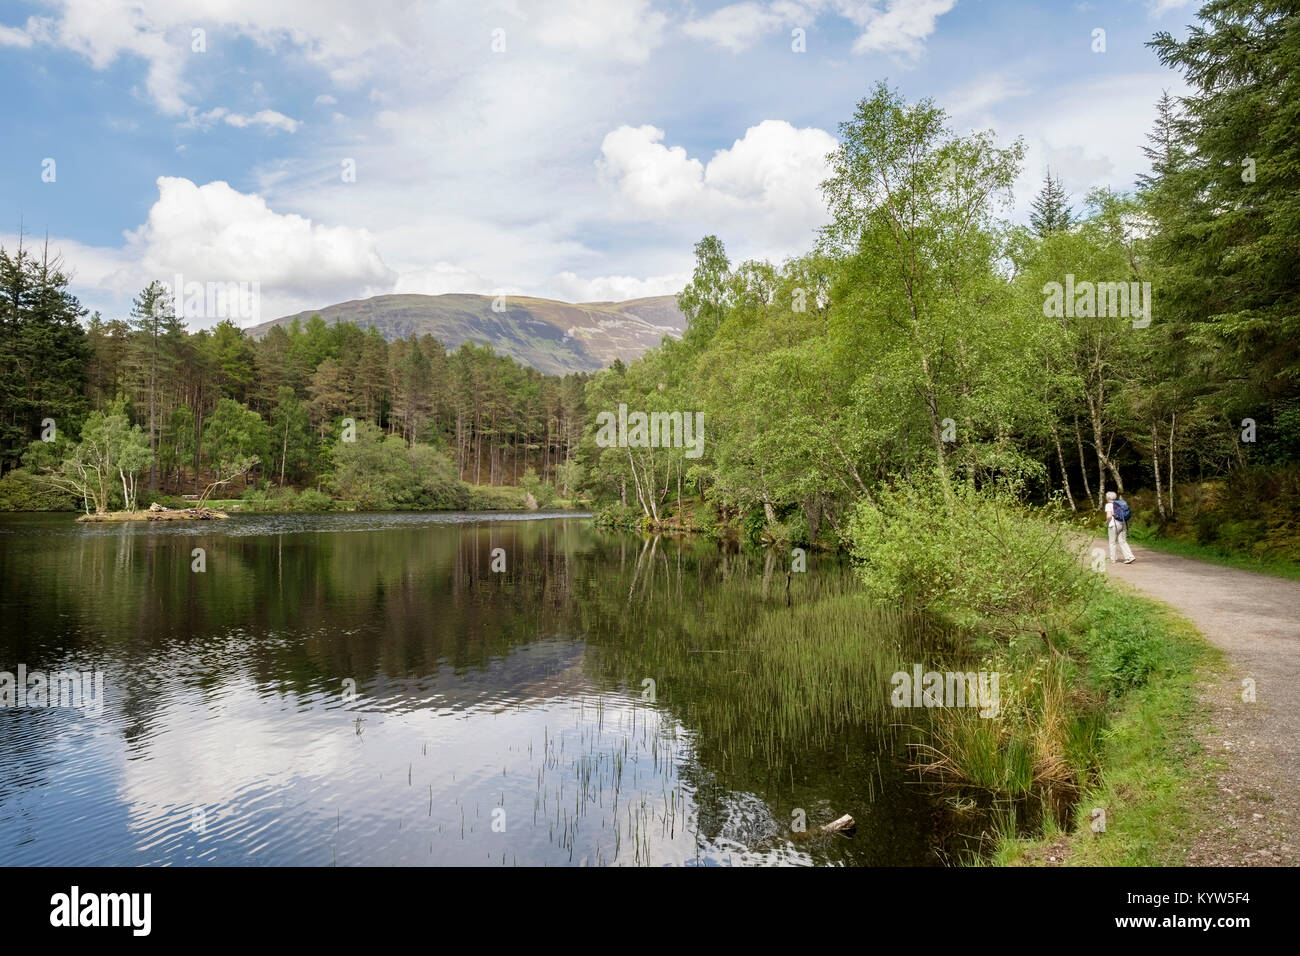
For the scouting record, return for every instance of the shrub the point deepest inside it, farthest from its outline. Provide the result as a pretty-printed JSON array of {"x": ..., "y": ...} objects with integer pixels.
[
  {"x": 309, "y": 499},
  {"x": 705, "y": 519},
  {"x": 976, "y": 558},
  {"x": 489, "y": 498},
  {"x": 19, "y": 491},
  {"x": 619, "y": 516},
  {"x": 543, "y": 493},
  {"x": 1123, "y": 645}
]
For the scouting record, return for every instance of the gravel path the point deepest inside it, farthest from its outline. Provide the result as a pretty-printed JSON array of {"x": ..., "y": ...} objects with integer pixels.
[{"x": 1255, "y": 619}]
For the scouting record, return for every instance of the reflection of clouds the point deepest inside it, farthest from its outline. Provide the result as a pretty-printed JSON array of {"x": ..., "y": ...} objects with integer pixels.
[{"x": 208, "y": 751}]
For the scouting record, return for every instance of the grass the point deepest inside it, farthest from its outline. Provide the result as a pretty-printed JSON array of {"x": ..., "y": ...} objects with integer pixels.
[
  {"x": 1278, "y": 567},
  {"x": 1153, "y": 777}
]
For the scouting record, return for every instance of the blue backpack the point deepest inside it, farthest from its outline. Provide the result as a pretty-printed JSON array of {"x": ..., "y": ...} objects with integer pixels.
[{"x": 1122, "y": 511}]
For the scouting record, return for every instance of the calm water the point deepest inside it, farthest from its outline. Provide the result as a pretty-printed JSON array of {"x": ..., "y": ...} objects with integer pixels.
[{"x": 498, "y": 718}]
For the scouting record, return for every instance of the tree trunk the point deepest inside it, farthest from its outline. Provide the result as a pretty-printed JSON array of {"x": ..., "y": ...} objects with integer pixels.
[
  {"x": 1155, "y": 463},
  {"x": 1083, "y": 464},
  {"x": 1065, "y": 478},
  {"x": 1173, "y": 417}
]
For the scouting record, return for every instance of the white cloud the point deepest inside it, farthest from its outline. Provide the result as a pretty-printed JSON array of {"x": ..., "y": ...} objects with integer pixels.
[
  {"x": 569, "y": 287},
  {"x": 973, "y": 99},
  {"x": 739, "y": 26},
  {"x": 1090, "y": 133},
  {"x": 268, "y": 118},
  {"x": 769, "y": 180},
  {"x": 214, "y": 233},
  {"x": 1159, "y": 8},
  {"x": 901, "y": 27},
  {"x": 271, "y": 119},
  {"x": 443, "y": 278},
  {"x": 621, "y": 29},
  {"x": 14, "y": 36},
  {"x": 325, "y": 100}
]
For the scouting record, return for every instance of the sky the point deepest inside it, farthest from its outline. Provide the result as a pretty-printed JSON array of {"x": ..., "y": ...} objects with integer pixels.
[{"x": 329, "y": 150}]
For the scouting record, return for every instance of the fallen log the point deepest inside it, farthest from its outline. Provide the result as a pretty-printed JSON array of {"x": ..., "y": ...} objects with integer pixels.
[
  {"x": 845, "y": 824},
  {"x": 157, "y": 513}
]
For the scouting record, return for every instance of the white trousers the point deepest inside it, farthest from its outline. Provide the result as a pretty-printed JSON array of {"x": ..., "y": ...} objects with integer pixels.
[{"x": 1119, "y": 533}]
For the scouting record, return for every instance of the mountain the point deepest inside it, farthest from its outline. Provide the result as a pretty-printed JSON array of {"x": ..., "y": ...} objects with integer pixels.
[{"x": 553, "y": 337}]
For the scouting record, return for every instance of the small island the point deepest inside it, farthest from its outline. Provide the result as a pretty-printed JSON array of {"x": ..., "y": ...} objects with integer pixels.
[{"x": 156, "y": 512}]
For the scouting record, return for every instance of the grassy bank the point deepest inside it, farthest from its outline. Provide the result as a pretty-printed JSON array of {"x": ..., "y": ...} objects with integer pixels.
[{"x": 1152, "y": 775}]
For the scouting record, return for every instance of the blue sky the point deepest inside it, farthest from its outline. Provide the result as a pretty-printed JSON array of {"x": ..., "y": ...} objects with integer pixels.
[{"x": 579, "y": 160}]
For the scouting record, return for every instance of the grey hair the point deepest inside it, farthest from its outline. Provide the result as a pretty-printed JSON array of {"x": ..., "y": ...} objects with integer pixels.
[{"x": 1110, "y": 496}]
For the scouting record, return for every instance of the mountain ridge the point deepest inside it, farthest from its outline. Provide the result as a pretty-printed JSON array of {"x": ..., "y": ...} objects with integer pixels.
[{"x": 553, "y": 337}]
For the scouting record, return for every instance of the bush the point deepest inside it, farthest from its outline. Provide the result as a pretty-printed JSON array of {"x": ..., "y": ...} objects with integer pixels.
[
  {"x": 438, "y": 485},
  {"x": 1123, "y": 644},
  {"x": 705, "y": 519},
  {"x": 978, "y": 559},
  {"x": 19, "y": 491},
  {"x": 309, "y": 499},
  {"x": 490, "y": 498},
  {"x": 542, "y": 492},
  {"x": 381, "y": 473},
  {"x": 619, "y": 516}
]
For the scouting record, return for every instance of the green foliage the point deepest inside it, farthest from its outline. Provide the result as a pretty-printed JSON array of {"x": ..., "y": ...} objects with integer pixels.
[
  {"x": 102, "y": 468},
  {"x": 543, "y": 493},
  {"x": 20, "y": 491},
  {"x": 44, "y": 351},
  {"x": 1051, "y": 210},
  {"x": 281, "y": 500},
  {"x": 1124, "y": 644},
  {"x": 618, "y": 517},
  {"x": 381, "y": 473},
  {"x": 976, "y": 557}
]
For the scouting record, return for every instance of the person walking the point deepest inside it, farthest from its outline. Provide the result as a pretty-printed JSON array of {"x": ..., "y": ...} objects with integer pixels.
[{"x": 1117, "y": 515}]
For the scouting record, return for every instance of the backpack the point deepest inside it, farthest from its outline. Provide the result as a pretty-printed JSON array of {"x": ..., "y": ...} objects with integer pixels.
[{"x": 1122, "y": 511}]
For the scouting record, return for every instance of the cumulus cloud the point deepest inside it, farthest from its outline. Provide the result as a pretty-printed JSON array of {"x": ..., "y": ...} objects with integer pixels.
[
  {"x": 569, "y": 287},
  {"x": 270, "y": 119},
  {"x": 900, "y": 27},
  {"x": 622, "y": 29},
  {"x": 770, "y": 178},
  {"x": 15, "y": 36},
  {"x": 213, "y": 233},
  {"x": 739, "y": 26},
  {"x": 444, "y": 278}
]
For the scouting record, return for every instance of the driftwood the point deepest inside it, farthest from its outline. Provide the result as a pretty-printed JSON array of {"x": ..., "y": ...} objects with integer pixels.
[
  {"x": 157, "y": 512},
  {"x": 845, "y": 824}
]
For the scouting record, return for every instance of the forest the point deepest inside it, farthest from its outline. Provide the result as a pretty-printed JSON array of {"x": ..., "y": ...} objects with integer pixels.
[
  {"x": 190, "y": 408},
  {"x": 921, "y": 338}
]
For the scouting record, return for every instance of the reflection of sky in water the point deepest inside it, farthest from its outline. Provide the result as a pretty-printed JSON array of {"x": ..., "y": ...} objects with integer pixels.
[
  {"x": 225, "y": 737},
  {"x": 409, "y": 773}
]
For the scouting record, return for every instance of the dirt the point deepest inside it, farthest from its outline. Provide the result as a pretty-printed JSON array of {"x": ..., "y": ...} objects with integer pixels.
[{"x": 1255, "y": 619}]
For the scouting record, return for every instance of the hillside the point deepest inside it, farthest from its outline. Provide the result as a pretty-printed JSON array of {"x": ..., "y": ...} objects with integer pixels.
[{"x": 551, "y": 336}]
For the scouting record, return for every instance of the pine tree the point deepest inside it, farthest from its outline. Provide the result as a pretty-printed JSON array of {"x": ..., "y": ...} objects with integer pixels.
[
  {"x": 1051, "y": 210},
  {"x": 156, "y": 328},
  {"x": 1236, "y": 236}
]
